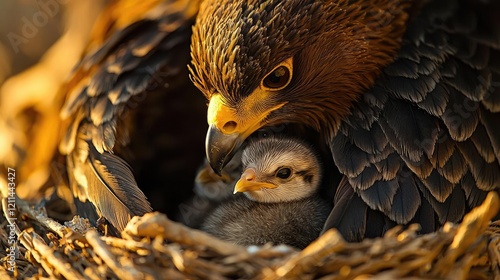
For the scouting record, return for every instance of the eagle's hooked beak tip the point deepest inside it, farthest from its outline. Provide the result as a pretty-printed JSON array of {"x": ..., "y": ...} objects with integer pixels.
[{"x": 220, "y": 147}]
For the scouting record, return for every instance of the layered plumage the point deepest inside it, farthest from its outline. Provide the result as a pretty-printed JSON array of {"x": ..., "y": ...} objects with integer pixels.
[
  {"x": 405, "y": 93},
  {"x": 280, "y": 180},
  {"x": 121, "y": 98}
]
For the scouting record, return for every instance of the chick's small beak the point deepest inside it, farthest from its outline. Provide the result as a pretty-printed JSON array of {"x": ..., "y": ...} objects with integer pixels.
[
  {"x": 208, "y": 176},
  {"x": 248, "y": 182}
]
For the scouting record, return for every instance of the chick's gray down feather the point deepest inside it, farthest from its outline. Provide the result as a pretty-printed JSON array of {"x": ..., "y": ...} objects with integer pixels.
[{"x": 245, "y": 222}]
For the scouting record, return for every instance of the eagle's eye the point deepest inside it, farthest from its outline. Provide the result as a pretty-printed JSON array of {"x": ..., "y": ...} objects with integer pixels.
[
  {"x": 277, "y": 79},
  {"x": 280, "y": 77},
  {"x": 284, "y": 173}
]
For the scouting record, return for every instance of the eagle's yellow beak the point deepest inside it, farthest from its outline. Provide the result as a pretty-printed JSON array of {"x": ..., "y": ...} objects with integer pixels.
[{"x": 228, "y": 127}]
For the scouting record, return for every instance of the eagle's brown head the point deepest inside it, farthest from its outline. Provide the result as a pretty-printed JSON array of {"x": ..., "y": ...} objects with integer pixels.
[{"x": 262, "y": 63}]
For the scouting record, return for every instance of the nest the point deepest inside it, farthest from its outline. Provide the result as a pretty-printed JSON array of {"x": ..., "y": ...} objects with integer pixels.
[{"x": 154, "y": 247}]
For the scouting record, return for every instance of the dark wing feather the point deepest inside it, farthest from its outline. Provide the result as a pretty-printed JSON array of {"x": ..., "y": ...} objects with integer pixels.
[
  {"x": 113, "y": 190},
  {"x": 380, "y": 195},
  {"x": 483, "y": 144},
  {"x": 460, "y": 117},
  {"x": 486, "y": 175},
  {"x": 348, "y": 215},
  {"x": 492, "y": 99},
  {"x": 406, "y": 201},
  {"x": 414, "y": 131},
  {"x": 389, "y": 167},
  {"x": 473, "y": 194},
  {"x": 366, "y": 179},
  {"x": 353, "y": 218},
  {"x": 145, "y": 56},
  {"x": 454, "y": 169},
  {"x": 439, "y": 187},
  {"x": 371, "y": 141},
  {"x": 350, "y": 159},
  {"x": 108, "y": 183},
  {"x": 422, "y": 167},
  {"x": 491, "y": 122},
  {"x": 452, "y": 209},
  {"x": 438, "y": 106},
  {"x": 435, "y": 102}
]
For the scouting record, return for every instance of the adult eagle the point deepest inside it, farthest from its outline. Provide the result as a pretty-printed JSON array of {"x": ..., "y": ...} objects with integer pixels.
[{"x": 405, "y": 94}]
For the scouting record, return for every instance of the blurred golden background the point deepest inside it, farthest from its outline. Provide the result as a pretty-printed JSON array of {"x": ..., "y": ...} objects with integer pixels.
[{"x": 40, "y": 42}]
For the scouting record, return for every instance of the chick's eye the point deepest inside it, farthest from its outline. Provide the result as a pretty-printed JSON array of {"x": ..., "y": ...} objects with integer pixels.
[
  {"x": 277, "y": 79},
  {"x": 284, "y": 173}
]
